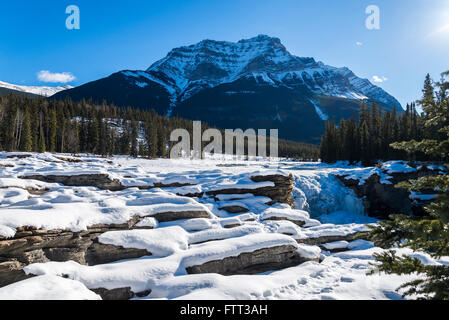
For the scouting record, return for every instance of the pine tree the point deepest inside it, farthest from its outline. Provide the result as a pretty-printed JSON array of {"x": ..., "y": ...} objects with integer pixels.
[
  {"x": 162, "y": 142},
  {"x": 26, "y": 139},
  {"x": 428, "y": 93},
  {"x": 8, "y": 128},
  {"x": 430, "y": 233},
  {"x": 151, "y": 139},
  {"x": 53, "y": 131},
  {"x": 134, "y": 136},
  {"x": 365, "y": 144},
  {"x": 41, "y": 141}
]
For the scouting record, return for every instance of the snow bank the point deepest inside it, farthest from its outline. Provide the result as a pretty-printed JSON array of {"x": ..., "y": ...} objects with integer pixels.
[
  {"x": 219, "y": 233},
  {"x": 160, "y": 242},
  {"x": 47, "y": 288},
  {"x": 285, "y": 212},
  {"x": 218, "y": 250},
  {"x": 331, "y": 230},
  {"x": 397, "y": 167}
]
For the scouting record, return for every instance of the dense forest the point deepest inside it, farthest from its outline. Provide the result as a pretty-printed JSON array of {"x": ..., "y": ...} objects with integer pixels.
[
  {"x": 40, "y": 125},
  {"x": 369, "y": 137}
]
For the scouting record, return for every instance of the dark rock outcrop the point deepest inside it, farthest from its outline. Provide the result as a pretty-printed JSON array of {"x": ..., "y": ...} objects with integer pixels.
[
  {"x": 234, "y": 209},
  {"x": 180, "y": 215},
  {"x": 327, "y": 239},
  {"x": 11, "y": 271},
  {"x": 101, "y": 181},
  {"x": 381, "y": 200},
  {"x": 115, "y": 294},
  {"x": 299, "y": 223},
  {"x": 99, "y": 253},
  {"x": 18, "y": 156},
  {"x": 119, "y": 293},
  {"x": 259, "y": 261}
]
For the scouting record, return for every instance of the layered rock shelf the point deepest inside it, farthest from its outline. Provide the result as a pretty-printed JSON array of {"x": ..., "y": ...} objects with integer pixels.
[
  {"x": 281, "y": 192},
  {"x": 258, "y": 261},
  {"x": 125, "y": 228},
  {"x": 101, "y": 181}
]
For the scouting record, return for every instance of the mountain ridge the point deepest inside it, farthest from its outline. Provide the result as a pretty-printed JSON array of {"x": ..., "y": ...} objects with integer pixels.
[
  {"x": 44, "y": 91},
  {"x": 259, "y": 56},
  {"x": 252, "y": 83}
]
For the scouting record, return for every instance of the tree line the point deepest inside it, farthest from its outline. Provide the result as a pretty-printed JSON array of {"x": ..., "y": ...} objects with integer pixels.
[
  {"x": 368, "y": 137},
  {"x": 41, "y": 124}
]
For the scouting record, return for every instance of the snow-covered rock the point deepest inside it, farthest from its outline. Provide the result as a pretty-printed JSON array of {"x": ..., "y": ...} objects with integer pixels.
[{"x": 110, "y": 243}]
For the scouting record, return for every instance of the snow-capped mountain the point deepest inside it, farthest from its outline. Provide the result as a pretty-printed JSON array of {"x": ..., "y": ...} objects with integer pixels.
[
  {"x": 252, "y": 83},
  {"x": 211, "y": 63},
  {"x": 38, "y": 90}
]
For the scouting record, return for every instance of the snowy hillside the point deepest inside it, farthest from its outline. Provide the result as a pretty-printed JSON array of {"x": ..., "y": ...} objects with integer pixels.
[
  {"x": 38, "y": 90},
  {"x": 185, "y": 229}
]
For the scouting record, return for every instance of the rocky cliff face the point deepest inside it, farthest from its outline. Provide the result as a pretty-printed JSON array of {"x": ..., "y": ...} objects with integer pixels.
[{"x": 383, "y": 199}]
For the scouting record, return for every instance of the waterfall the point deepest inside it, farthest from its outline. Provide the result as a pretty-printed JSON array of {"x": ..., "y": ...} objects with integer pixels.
[{"x": 320, "y": 193}]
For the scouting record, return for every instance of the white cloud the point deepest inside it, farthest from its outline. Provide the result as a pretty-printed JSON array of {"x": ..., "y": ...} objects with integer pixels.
[
  {"x": 47, "y": 76},
  {"x": 378, "y": 79},
  {"x": 358, "y": 43}
]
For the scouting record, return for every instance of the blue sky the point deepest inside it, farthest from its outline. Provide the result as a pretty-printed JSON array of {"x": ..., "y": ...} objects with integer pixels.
[{"x": 413, "y": 38}]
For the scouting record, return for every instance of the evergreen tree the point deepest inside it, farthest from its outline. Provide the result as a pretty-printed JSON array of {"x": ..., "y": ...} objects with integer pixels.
[
  {"x": 152, "y": 135},
  {"x": 41, "y": 141},
  {"x": 53, "y": 131},
  {"x": 429, "y": 233},
  {"x": 134, "y": 136},
  {"x": 26, "y": 139}
]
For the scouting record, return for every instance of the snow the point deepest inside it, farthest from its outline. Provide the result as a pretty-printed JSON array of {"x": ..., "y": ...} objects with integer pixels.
[
  {"x": 331, "y": 230},
  {"x": 232, "y": 247},
  {"x": 423, "y": 197},
  {"x": 41, "y": 91},
  {"x": 285, "y": 212},
  {"x": 220, "y": 234},
  {"x": 336, "y": 277},
  {"x": 323, "y": 116},
  {"x": 148, "y": 222},
  {"x": 47, "y": 288},
  {"x": 198, "y": 224},
  {"x": 397, "y": 167},
  {"x": 159, "y": 242},
  {"x": 177, "y": 71},
  {"x": 336, "y": 245},
  {"x": 321, "y": 201}
]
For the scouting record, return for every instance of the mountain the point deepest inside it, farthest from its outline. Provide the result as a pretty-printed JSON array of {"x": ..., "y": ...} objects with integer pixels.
[
  {"x": 6, "y": 91},
  {"x": 253, "y": 83},
  {"x": 36, "y": 90}
]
